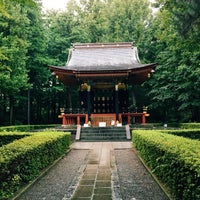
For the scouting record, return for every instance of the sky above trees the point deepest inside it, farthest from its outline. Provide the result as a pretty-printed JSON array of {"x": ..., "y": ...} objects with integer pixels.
[
  {"x": 60, "y": 4},
  {"x": 54, "y": 4}
]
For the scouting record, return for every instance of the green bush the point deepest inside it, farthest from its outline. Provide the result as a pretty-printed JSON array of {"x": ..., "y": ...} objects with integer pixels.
[
  {"x": 23, "y": 159},
  {"x": 174, "y": 160},
  {"x": 190, "y": 125},
  {"x": 175, "y": 125},
  {"x": 184, "y": 125},
  {"x": 8, "y": 137},
  {"x": 26, "y": 127},
  {"x": 188, "y": 133}
]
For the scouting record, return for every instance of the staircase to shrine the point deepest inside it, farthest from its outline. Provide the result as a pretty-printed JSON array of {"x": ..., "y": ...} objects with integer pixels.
[{"x": 104, "y": 134}]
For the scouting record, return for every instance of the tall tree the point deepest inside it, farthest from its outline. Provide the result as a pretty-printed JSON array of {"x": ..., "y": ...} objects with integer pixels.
[
  {"x": 37, "y": 64},
  {"x": 173, "y": 87},
  {"x": 14, "y": 44},
  {"x": 127, "y": 20},
  {"x": 185, "y": 14},
  {"x": 23, "y": 37},
  {"x": 89, "y": 19},
  {"x": 61, "y": 33}
]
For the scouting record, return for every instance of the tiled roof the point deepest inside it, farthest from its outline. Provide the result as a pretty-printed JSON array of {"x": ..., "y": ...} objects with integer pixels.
[
  {"x": 103, "y": 57},
  {"x": 103, "y": 62}
]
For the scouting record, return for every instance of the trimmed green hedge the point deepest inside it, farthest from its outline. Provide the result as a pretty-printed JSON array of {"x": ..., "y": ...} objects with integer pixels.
[
  {"x": 8, "y": 138},
  {"x": 188, "y": 133},
  {"x": 23, "y": 159},
  {"x": 190, "y": 125},
  {"x": 185, "y": 125},
  {"x": 27, "y": 127},
  {"x": 160, "y": 126},
  {"x": 174, "y": 160}
]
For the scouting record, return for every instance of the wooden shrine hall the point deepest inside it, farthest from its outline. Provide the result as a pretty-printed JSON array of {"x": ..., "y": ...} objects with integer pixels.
[{"x": 103, "y": 71}]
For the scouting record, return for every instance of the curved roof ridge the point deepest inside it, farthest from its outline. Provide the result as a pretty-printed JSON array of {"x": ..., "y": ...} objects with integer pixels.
[{"x": 102, "y": 45}]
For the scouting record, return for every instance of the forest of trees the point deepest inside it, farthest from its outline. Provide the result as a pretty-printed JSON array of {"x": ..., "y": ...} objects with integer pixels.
[{"x": 31, "y": 40}]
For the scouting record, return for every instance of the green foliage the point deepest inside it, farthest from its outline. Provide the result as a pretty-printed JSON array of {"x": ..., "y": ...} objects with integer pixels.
[
  {"x": 175, "y": 125},
  {"x": 110, "y": 21},
  {"x": 24, "y": 36},
  {"x": 22, "y": 160},
  {"x": 22, "y": 128},
  {"x": 190, "y": 125},
  {"x": 186, "y": 14},
  {"x": 170, "y": 37},
  {"x": 14, "y": 46},
  {"x": 173, "y": 88},
  {"x": 127, "y": 21},
  {"x": 89, "y": 20},
  {"x": 44, "y": 87},
  {"x": 174, "y": 160},
  {"x": 93, "y": 21},
  {"x": 189, "y": 133},
  {"x": 6, "y": 137}
]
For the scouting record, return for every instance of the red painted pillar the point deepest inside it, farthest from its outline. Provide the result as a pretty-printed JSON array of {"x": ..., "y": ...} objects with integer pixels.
[
  {"x": 120, "y": 118},
  {"x": 78, "y": 120},
  {"x": 129, "y": 119},
  {"x": 117, "y": 101},
  {"x": 89, "y": 100},
  {"x": 86, "y": 118},
  {"x": 143, "y": 118},
  {"x": 64, "y": 121}
]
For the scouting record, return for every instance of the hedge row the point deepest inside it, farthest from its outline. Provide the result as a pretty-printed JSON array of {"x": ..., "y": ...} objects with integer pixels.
[
  {"x": 6, "y": 137},
  {"x": 26, "y": 127},
  {"x": 185, "y": 125},
  {"x": 190, "y": 125},
  {"x": 23, "y": 159},
  {"x": 166, "y": 126},
  {"x": 189, "y": 133},
  {"x": 174, "y": 160}
]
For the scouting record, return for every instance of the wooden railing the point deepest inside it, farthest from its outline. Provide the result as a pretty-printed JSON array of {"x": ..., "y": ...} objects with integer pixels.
[
  {"x": 107, "y": 118},
  {"x": 77, "y": 116},
  {"x": 69, "y": 119}
]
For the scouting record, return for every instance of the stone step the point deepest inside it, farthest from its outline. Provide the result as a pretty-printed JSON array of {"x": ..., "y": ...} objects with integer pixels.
[
  {"x": 93, "y": 139},
  {"x": 103, "y": 133},
  {"x": 103, "y": 129}
]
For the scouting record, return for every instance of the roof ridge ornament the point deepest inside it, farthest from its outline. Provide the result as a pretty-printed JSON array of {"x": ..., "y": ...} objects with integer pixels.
[{"x": 100, "y": 45}]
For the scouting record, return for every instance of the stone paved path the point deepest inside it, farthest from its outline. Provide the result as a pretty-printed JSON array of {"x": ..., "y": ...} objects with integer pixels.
[{"x": 97, "y": 171}]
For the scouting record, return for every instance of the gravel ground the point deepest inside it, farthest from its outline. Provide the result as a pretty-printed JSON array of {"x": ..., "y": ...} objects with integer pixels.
[
  {"x": 57, "y": 182},
  {"x": 134, "y": 180},
  {"x": 131, "y": 180}
]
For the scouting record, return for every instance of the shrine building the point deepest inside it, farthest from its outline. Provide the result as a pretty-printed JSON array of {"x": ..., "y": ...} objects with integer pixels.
[{"x": 103, "y": 72}]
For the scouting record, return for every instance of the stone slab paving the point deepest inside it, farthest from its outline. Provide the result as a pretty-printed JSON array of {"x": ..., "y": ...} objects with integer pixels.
[
  {"x": 63, "y": 175},
  {"x": 97, "y": 171}
]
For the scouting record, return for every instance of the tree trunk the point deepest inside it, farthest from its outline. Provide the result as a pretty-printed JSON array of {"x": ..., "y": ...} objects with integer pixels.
[
  {"x": 133, "y": 97},
  {"x": 28, "y": 107},
  {"x": 11, "y": 109}
]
